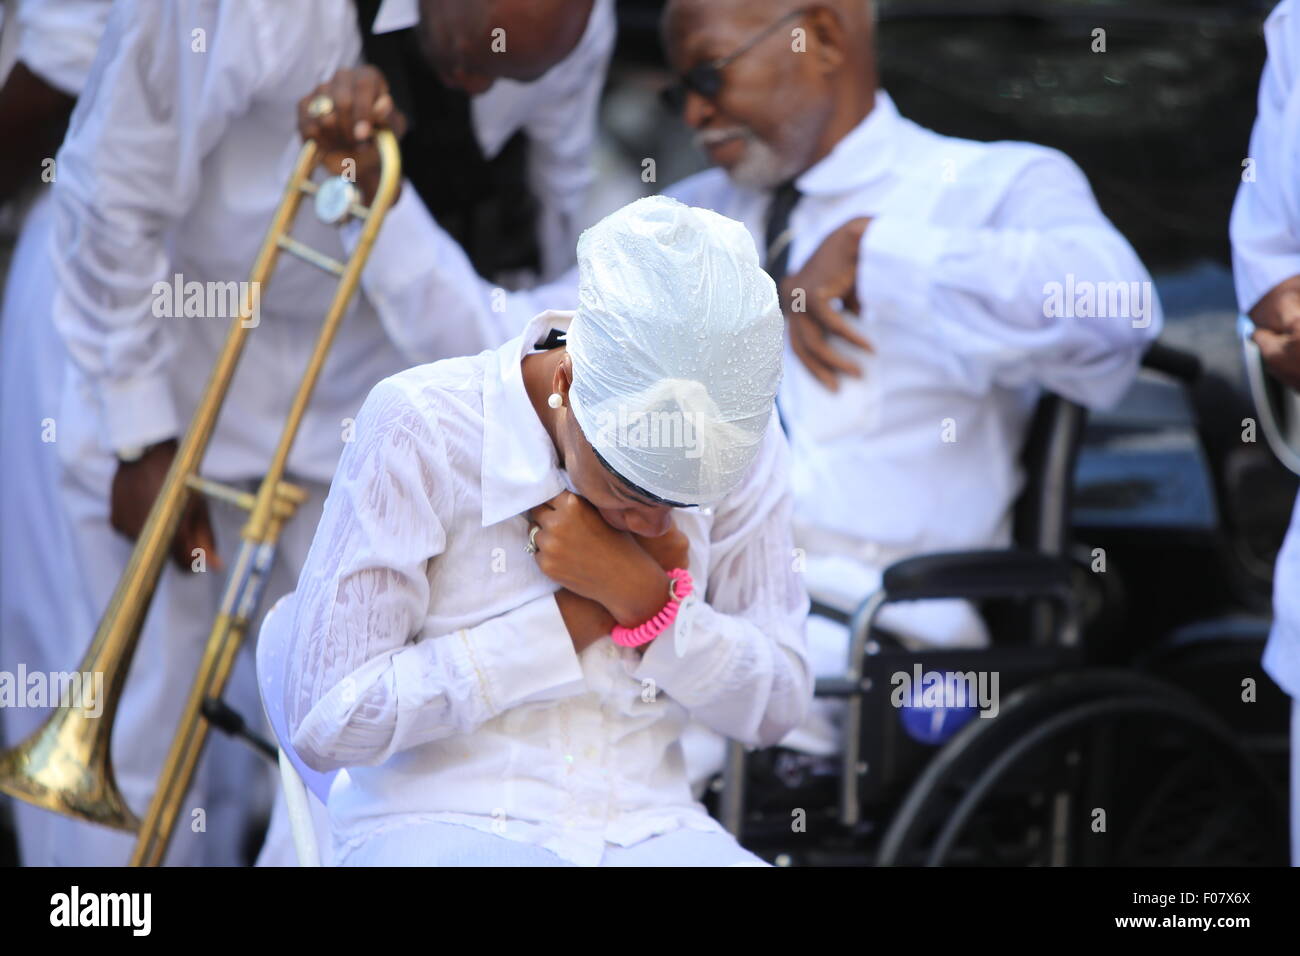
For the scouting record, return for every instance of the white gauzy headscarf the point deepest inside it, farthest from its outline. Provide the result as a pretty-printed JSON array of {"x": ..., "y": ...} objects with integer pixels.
[{"x": 676, "y": 348}]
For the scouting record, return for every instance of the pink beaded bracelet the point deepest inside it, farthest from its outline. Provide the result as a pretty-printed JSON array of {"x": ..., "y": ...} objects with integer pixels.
[{"x": 680, "y": 586}]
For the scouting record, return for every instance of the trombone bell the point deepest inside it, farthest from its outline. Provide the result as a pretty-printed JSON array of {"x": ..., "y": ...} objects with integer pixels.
[{"x": 64, "y": 767}]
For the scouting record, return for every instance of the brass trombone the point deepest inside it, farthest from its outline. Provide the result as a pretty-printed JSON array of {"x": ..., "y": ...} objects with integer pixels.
[{"x": 64, "y": 766}]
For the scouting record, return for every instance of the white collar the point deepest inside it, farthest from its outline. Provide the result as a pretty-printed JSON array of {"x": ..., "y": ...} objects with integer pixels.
[
  {"x": 508, "y": 104},
  {"x": 520, "y": 465},
  {"x": 865, "y": 154},
  {"x": 395, "y": 15}
]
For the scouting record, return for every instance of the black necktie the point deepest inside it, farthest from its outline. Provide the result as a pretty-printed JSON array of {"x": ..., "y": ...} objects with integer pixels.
[
  {"x": 776, "y": 232},
  {"x": 776, "y": 241}
]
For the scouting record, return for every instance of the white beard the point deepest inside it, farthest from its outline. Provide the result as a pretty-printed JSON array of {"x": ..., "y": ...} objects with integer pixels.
[{"x": 760, "y": 166}]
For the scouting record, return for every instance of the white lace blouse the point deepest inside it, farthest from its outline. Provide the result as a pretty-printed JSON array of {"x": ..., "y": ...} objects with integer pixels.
[{"x": 428, "y": 656}]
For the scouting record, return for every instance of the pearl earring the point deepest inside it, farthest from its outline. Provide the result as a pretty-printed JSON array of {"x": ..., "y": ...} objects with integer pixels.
[{"x": 555, "y": 400}]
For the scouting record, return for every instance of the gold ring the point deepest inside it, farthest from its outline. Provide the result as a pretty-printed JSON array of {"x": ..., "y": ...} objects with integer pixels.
[{"x": 320, "y": 106}]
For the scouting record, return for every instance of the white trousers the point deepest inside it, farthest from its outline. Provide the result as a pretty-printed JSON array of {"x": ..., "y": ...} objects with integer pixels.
[
  {"x": 448, "y": 844},
  {"x": 45, "y": 619},
  {"x": 233, "y": 786},
  {"x": 34, "y": 544}
]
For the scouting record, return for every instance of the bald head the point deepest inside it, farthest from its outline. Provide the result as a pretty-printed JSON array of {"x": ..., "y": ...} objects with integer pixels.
[
  {"x": 855, "y": 14},
  {"x": 472, "y": 43},
  {"x": 807, "y": 80}
]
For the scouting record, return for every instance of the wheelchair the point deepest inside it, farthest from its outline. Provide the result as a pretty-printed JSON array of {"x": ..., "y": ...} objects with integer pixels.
[{"x": 1118, "y": 759}]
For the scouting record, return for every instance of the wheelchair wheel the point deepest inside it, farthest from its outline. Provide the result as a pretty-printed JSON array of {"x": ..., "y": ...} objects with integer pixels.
[
  {"x": 1211, "y": 660},
  {"x": 1091, "y": 768}
]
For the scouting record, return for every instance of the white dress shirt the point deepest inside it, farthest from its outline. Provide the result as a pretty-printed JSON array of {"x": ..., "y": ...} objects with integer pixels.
[
  {"x": 428, "y": 655},
  {"x": 1265, "y": 231},
  {"x": 953, "y": 273},
  {"x": 177, "y": 155}
]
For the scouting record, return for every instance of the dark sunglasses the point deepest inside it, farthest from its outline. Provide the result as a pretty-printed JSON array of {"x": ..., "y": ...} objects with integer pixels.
[{"x": 706, "y": 78}]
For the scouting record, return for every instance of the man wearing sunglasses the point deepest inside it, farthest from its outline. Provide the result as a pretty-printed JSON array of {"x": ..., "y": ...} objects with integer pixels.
[{"x": 923, "y": 280}]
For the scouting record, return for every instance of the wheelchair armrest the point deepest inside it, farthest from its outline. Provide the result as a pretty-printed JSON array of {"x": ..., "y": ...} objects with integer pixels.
[
  {"x": 1008, "y": 573},
  {"x": 836, "y": 687}
]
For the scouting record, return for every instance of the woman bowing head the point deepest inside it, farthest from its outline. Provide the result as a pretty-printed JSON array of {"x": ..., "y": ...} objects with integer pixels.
[{"x": 538, "y": 564}]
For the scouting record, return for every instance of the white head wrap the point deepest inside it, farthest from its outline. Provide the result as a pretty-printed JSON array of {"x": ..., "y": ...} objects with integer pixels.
[{"x": 676, "y": 348}]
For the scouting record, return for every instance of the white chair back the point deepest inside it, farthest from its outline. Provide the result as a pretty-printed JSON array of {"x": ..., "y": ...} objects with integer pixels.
[{"x": 301, "y": 783}]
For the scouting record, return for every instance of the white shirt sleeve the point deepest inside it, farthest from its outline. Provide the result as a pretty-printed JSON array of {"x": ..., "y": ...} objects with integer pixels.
[
  {"x": 364, "y": 680},
  {"x": 738, "y": 660},
  {"x": 170, "y": 77},
  {"x": 561, "y": 127},
  {"x": 1265, "y": 240},
  {"x": 57, "y": 39},
  {"x": 986, "y": 290},
  {"x": 430, "y": 300}
]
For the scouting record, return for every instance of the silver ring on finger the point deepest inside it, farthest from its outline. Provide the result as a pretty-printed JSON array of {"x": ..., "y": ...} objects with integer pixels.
[{"x": 531, "y": 546}]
